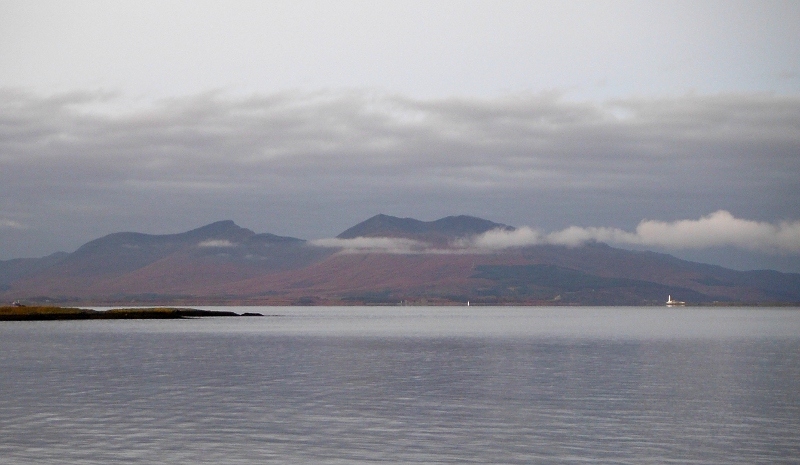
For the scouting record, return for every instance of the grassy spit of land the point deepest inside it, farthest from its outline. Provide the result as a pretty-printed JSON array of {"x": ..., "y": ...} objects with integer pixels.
[{"x": 69, "y": 313}]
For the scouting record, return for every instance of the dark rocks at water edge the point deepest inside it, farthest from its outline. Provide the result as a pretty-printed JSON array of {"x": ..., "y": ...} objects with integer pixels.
[{"x": 66, "y": 313}]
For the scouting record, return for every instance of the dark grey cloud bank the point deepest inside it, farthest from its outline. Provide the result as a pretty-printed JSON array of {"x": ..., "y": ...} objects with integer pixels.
[{"x": 77, "y": 166}]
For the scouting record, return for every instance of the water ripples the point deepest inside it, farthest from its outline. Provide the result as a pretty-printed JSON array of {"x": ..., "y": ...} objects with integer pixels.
[{"x": 83, "y": 394}]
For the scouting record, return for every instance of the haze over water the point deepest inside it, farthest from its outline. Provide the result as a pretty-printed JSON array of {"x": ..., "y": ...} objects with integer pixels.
[{"x": 406, "y": 385}]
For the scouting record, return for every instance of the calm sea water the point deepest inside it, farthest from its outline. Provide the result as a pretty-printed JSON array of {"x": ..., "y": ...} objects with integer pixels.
[{"x": 406, "y": 385}]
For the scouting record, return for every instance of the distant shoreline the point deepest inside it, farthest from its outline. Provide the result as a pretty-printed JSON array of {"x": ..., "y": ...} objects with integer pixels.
[
  {"x": 70, "y": 313},
  {"x": 165, "y": 311}
]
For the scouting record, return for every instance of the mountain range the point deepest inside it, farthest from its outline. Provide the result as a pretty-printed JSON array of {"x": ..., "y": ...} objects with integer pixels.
[{"x": 383, "y": 260}]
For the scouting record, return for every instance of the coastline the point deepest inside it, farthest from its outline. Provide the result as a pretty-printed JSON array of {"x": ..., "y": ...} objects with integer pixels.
[{"x": 73, "y": 313}]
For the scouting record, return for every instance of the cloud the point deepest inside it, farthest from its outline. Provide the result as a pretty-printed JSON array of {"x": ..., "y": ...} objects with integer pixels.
[
  {"x": 373, "y": 245},
  {"x": 216, "y": 243},
  {"x": 719, "y": 229},
  {"x": 295, "y": 141},
  {"x": 498, "y": 239},
  {"x": 311, "y": 165},
  {"x": 11, "y": 224}
]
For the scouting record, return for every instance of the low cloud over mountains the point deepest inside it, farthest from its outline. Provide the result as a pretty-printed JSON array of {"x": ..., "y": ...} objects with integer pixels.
[
  {"x": 719, "y": 229},
  {"x": 382, "y": 260}
]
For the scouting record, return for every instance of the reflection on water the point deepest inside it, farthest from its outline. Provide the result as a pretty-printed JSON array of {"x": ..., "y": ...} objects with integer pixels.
[{"x": 418, "y": 385}]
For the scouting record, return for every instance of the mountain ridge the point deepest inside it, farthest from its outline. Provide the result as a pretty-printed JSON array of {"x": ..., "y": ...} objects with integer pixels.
[
  {"x": 438, "y": 232},
  {"x": 223, "y": 263}
]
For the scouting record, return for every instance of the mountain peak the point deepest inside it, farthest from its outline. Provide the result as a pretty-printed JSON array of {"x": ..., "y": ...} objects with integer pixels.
[
  {"x": 450, "y": 227},
  {"x": 225, "y": 229},
  {"x": 464, "y": 225}
]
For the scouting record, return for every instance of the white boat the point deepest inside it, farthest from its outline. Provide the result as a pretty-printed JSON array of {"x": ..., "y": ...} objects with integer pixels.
[{"x": 674, "y": 303}]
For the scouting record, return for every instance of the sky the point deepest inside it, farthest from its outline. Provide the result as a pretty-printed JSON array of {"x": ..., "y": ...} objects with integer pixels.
[{"x": 671, "y": 126}]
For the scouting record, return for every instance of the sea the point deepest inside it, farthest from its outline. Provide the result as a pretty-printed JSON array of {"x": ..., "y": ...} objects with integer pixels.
[{"x": 432, "y": 385}]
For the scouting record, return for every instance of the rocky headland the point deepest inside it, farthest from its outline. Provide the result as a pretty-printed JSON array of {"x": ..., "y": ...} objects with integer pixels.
[{"x": 15, "y": 313}]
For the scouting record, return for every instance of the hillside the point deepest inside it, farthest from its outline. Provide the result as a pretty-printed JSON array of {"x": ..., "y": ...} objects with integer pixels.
[{"x": 225, "y": 263}]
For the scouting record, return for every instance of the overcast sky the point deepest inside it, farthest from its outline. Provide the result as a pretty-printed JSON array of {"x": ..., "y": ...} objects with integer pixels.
[{"x": 672, "y": 126}]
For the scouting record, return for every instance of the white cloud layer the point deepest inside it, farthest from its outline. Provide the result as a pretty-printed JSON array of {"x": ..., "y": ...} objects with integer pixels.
[
  {"x": 11, "y": 224},
  {"x": 373, "y": 245},
  {"x": 216, "y": 243},
  {"x": 719, "y": 229}
]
